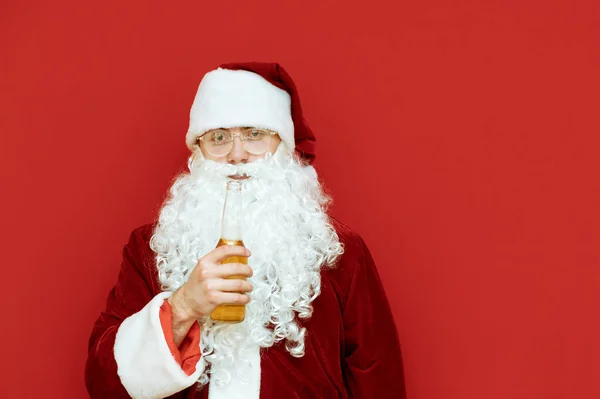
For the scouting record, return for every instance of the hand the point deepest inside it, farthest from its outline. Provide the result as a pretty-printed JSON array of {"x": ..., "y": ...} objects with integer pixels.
[{"x": 208, "y": 286}]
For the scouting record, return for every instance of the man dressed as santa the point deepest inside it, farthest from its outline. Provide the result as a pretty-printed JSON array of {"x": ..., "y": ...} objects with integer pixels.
[{"x": 317, "y": 321}]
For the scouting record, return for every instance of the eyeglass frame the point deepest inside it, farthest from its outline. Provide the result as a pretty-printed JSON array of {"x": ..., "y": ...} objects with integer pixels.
[{"x": 233, "y": 136}]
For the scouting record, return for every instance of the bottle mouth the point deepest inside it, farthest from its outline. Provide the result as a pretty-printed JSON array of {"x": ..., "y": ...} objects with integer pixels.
[{"x": 239, "y": 176}]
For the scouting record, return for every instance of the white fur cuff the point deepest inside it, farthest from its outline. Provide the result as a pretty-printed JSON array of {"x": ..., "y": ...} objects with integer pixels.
[{"x": 146, "y": 366}]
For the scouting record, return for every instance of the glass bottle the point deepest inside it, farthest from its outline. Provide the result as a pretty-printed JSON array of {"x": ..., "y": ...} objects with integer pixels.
[{"x": 231, "y": 234}]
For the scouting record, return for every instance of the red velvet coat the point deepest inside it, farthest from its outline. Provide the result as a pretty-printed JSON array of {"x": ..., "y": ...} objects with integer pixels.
[{"x": 351, "y": 346}]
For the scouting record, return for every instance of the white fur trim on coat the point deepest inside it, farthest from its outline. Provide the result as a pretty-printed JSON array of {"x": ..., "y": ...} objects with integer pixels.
[
  {"x": 234, "y": 98},
  {"x": 146, "y": 367},
  {"x": 237, "y": 389}
]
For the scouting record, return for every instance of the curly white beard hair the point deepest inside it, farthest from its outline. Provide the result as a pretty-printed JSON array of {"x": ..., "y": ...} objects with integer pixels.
[{"x": 286, "y": 228}]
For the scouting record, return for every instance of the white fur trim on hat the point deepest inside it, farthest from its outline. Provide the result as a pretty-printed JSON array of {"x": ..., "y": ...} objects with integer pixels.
[
  {"x": 234, "y": 98},
  {"x": 145, "y": 364}
]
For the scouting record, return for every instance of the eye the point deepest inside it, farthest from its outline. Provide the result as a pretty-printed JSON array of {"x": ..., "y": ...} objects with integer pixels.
[
  {"x": 255, "y": 134},
  {"x": 218, "y": 137}
]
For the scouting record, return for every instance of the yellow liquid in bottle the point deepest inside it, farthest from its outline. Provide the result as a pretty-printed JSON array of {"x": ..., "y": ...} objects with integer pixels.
[{"x": 231, "y": 313}]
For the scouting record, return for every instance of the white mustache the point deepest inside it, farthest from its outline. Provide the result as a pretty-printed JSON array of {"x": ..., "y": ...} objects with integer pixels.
[{"x": 248, "y": 169}]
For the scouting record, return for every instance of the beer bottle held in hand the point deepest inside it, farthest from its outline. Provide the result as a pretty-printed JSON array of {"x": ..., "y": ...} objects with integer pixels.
[{"x": 231, "y": 234}]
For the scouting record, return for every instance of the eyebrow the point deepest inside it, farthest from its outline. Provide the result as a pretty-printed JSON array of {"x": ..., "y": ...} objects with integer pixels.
[{"x": 239, "y": 127}]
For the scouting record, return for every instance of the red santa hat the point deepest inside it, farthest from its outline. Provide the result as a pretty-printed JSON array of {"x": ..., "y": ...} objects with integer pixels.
[{"x": 258, "y": 94}]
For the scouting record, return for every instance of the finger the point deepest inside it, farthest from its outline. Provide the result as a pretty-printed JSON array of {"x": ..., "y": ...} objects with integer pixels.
[
  {"x": 232, "y": 269},
  {"x": 231, "y": 298},
  {"x": 225, "y": 251},
  {"x": 231, "y": 285}
]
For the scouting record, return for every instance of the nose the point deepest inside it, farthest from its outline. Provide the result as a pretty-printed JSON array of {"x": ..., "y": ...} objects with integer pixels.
[{"x": 238, "y": 153}]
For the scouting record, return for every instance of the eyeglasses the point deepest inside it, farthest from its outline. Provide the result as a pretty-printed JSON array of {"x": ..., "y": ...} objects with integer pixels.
[{"x": 219, "y": 142}]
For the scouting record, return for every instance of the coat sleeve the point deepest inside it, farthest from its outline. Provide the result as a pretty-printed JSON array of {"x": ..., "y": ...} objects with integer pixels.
[
  {"x": 372, "y": 357},
  {"x": 128, "y": 355},
  {"x": 187, "y": 354}
]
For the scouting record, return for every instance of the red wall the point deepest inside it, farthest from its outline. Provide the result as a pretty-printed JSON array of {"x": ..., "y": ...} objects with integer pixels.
[{"x": 460, "y": 138}]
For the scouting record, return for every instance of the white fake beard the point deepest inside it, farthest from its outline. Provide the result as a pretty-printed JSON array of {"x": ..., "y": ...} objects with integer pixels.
[{"x": 285, "y": 226}]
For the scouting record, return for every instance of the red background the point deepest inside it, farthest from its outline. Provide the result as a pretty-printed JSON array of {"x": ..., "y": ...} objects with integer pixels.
[{"x": 460, "y": 138}]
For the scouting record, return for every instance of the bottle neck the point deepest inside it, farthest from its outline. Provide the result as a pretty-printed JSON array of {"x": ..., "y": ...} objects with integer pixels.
[{"x": 231, "y": 228}]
